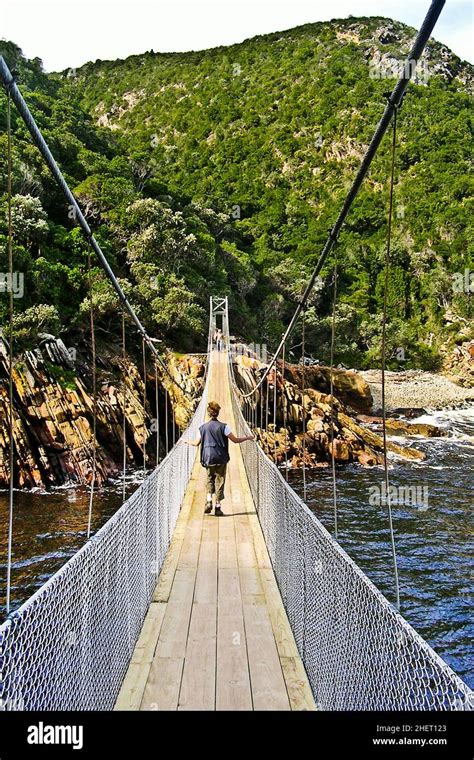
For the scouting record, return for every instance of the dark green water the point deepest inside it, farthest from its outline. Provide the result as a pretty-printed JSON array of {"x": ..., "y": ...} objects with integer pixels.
[{"x": 434, "y": 542}]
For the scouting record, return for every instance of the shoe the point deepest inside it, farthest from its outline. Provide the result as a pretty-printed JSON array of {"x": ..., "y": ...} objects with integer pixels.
[
  {"x": 218, "y": 512},
  {"x": 208, "y": 509}
]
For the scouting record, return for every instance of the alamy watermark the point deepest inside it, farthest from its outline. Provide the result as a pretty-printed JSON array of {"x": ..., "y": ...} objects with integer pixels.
[
  {"x": 403, "y": 495},
  {"x": 463, "y": 282},
  {"x": 253, "y": 351},
  {"x": 12, "y": 283},
  {"x": 383, "y": 68}
]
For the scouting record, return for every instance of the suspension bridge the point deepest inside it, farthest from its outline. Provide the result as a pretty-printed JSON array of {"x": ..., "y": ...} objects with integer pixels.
[{"x": 165, "y": 608}]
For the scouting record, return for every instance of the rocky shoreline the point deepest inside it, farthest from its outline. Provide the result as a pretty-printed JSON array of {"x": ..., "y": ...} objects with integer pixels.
[{"x": 415, "y": 389}]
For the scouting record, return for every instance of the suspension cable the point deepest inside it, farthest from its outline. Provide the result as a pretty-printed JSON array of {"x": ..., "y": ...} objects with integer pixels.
[
  {"x": 333, "y": 338},
  {"x": 303, "y": 390},
  {"x": 275, "y": 414},
  {"x": 173, "y": 413},
  {"x": 266, "y": 405},
  {"x": 157, "y": 404},
  {"x": 10, "y": 352},
  {"x": 144, "y": 405},
  {"x": 384, "y": 338},
  {"x": 124, "y": 416},
  {"x": 166, "y": 421},
  {"x": 94, "y": 392},
  {"x": 284, "y": 400}
]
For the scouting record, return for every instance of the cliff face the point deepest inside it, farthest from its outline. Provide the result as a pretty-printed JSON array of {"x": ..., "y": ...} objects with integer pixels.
[{"x": 53, "y": 416}]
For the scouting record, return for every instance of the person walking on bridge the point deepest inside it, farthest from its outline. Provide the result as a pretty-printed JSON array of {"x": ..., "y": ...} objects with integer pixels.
[
  {"x": 219, "y": 340},
  {"x": 214, "y": 439}
]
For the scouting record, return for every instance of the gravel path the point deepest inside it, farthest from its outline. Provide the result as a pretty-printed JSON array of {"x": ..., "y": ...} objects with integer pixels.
[{"x": 416, "y": 389}]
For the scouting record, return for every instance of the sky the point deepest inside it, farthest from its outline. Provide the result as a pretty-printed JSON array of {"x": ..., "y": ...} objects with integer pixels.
[{"x": 67, "y": 33}]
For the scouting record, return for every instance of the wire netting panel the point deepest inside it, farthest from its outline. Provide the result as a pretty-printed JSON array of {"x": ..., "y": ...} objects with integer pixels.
[
  {"x": 69, "y": 646},
  {"x": 358, "y": 651}
]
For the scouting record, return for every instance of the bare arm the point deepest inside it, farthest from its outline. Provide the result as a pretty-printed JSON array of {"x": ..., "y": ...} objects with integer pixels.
[
  {"x": 193, "y": 443},
  {"x": 236, "y": 439}
]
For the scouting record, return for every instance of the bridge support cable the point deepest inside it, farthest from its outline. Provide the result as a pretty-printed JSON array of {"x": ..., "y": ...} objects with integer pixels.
[
  {"x": 8, "y": 81},
  {"x": 393, "y": 101},
  {"x": 303, "y": 391},
  {"x": 167, "y": 445},
  {"x": 10, "y": 354},
  {"x": 144, "y": 406},
  {"x": 174, "y": 424},
  {"x": 384, "y": 358},
  {"x": 124, "y": 416},
  {"x": 284, "y": 408},
  {"x": 267, "y": 389},
  {"x": 333, "y": 340},
  {"x": 275, "y": 391},
  {"x": 94, "y": 392},
  {"x": 157, "y": 420}
]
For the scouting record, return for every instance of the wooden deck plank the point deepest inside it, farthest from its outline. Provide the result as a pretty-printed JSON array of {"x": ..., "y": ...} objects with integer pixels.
[{"x": 198, "y": 685}]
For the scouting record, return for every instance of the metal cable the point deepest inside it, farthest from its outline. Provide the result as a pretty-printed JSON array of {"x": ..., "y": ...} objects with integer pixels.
[
  {"x": 10, "y": 353},
  {"x": 144, "y": 405},
  {"x": 275, "y": 415},
  {"x": 94, "y": 392},
  {"x": 333, "y": 334},
  {"x": 303, "y": 410},
  {"x": 157, "y": 403},
  {"x": 266, "y": 407},
  {"x": 384, "y": 325},
  {"x": 174, "y": 421},
  {"x": 166, "y": 422},
  {"x": 285, "y": 416},
  {"x": 124, "y": 416}
]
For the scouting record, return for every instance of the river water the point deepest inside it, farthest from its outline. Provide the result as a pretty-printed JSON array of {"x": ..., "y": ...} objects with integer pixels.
[{"x": 434, "y": 537}]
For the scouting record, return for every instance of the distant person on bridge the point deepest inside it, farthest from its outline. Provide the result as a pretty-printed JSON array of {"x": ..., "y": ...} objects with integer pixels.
[
  {"x": 214, "y": 439},
  {"x": 219, "y": 340}
]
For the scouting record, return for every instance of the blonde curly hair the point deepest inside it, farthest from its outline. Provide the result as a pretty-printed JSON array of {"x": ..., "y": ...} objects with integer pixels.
[{"x": 213, "y": 409}]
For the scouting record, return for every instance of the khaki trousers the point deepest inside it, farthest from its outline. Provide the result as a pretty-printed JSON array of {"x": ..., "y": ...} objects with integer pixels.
[{"x": 216, "y": 480}]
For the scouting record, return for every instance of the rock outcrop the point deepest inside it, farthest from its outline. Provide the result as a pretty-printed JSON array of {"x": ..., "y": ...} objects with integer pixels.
[
  {"x": 187, "y": 372},
  {"x": 458, "y": 366},
  {"x": 53, "y": 414},
  {"x": 313, "y": 425}
]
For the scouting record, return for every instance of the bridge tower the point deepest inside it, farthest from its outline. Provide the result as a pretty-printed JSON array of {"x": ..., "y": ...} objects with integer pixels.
[{"x": 219, "y": 307}]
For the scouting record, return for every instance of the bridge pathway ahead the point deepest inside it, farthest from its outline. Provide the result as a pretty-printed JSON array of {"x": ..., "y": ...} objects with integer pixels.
[{"x": 216, "y": 635}]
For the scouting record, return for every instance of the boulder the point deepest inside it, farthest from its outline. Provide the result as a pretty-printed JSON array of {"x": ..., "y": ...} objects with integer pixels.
[{"x": 414, "y": 428}]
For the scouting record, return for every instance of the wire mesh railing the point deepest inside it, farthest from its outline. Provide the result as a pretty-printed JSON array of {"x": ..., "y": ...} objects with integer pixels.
[
  {"x": 358, "y": 651},
  {"x": 68, "y": 647}
]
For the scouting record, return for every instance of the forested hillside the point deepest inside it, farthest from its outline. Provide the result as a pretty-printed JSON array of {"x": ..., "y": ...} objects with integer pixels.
[{"x": 222, "y": 171}]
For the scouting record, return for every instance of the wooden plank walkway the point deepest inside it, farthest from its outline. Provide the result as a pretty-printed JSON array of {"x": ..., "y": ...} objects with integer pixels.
[{"x": 216, "y": 636}]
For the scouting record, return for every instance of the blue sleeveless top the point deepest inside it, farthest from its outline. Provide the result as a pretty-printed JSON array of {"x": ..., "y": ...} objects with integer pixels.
[{"x": 214, "y": 443}]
